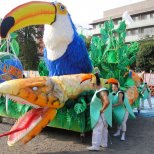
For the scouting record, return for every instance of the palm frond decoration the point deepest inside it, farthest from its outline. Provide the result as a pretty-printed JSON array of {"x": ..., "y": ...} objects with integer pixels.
[
  {"x": 10, "y": 44},
  {"x": 42, "y": 69},
  {"x": 106, "y": 67},
  {"x": 69, "y": 119},
  {"x": 80, "y": 107},
  {"x": 132, "y": 60},
  {"x": 110, "y": 53}
]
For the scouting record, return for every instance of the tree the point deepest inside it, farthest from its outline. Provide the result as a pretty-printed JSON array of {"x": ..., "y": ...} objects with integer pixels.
[
  {"x": 145, "y": 56},
  {"x": 87, "y": 40},
  {"x": 27, "y": 41}
]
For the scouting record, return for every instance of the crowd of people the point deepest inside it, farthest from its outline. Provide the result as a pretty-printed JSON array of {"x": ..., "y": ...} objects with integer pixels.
[{"x": 106, "y": 105}]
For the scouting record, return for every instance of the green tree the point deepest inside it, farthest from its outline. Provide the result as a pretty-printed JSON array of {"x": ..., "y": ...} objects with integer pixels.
[
  {"x": 27, "y": 41},
  {"x": 145, "y": 56},
  {"x": 87, "y": 40}
]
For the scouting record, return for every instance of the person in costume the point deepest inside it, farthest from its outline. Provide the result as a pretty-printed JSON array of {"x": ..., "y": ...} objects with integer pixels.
[
  {"x": 118, "y": 104},
  {"x": 101, "y": 116},
  {"x": 145, "y": 94},
  {"x": 120, "y": 108}
]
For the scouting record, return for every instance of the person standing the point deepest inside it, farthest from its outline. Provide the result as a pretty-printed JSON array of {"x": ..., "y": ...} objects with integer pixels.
[
  {"x": 101, "y": 116},
  {"x": 145, "y": 94},
  {"x": 118, "y": 108},
  {"x": 121, "y": 108}
]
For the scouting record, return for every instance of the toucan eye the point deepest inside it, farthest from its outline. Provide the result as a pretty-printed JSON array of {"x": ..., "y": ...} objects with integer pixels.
[{"x": 62, "y": 7}]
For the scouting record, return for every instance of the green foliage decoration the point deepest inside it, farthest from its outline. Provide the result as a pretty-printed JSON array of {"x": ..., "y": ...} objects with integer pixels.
[
  {"x": 10, "y": 43},
  {"x": 14, "y": 109},
  {"x": 42, "y": 69},
  {"x": 111, "y": 54},
  {"x": 80, "y": 107}
]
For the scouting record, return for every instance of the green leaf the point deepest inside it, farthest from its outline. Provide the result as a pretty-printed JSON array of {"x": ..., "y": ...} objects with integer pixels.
[
  {"x": 121, "y": 28},
  {"x": 112, "y": 56},
  {"x": 104, "y": 35},
  {"x": 106, "y": 68},
  {"x": 123, "y": 64},
  {"x": 129, "y": 82},
  {"x": 3, "y": 47},
  {"x": 111, "y": 24},
  {"x": 79, "y": 108},
  {"x": 110, "y": 75},
  {"x": 15, "y": 47},
  {"x": 106, "y": 26},
  {"x": 83, "y": 102},
  {"x": 13, "y": 35},
  {"x": 121, "y": 80},
  {"x": 133, "y": 48},
  {"x": 132, "y": 60},
  {"x": 43, "y": 71}
]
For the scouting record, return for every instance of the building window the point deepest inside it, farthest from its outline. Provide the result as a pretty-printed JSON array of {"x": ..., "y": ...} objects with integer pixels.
[
  {"x": 134, "y": 32},
  {"x": 152, "y": 30},
  {"x": 101, "y": 25},
  {"x": 136, "y": 18},
  {"x": 116, "y": 22},
  {"x": 98, "y": 26},
  {"x": 148, "y": 30},
  {"x": 94, "y": 26},
  {"x": 151, "y": 15},
  {"x": 142, "y": 30},
  {"x": 128, "y": 33},
  {"x": 143, "y": 16}
]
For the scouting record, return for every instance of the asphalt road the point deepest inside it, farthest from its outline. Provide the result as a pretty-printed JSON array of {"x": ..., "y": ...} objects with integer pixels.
[{"x": 139, "y": 139}]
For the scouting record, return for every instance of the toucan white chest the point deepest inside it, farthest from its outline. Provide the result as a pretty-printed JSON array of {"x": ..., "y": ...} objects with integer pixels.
[{"x": 58, "y": 36}]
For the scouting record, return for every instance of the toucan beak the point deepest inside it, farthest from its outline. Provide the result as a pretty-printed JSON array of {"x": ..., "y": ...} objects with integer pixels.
[{"x": 32, "y": 13}]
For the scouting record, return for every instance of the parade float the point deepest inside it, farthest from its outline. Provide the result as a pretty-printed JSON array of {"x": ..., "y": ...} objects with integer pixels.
[
  {"x": 62, "y": 99},
  {"x": 74, "y": 61}
]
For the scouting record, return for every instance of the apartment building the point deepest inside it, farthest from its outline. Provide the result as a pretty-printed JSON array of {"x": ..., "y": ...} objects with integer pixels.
[{"x": 142, "y": 14}]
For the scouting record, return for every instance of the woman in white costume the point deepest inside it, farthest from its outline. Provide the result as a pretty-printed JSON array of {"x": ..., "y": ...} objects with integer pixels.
[{"x": 101, "y": 116}]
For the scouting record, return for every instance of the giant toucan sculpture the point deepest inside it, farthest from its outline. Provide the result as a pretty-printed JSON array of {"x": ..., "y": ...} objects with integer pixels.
[{"x": 65, "y": 52}]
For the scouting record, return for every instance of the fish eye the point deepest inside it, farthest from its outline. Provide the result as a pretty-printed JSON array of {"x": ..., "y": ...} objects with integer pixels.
[{"x": 35, "y": 88}]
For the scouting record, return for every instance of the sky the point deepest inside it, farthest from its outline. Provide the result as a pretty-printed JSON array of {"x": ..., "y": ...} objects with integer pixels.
[{"x": 82, "y": 12}]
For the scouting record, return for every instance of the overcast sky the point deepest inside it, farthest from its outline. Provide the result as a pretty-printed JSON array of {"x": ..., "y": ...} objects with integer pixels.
[{"x": 82, "y": 11}]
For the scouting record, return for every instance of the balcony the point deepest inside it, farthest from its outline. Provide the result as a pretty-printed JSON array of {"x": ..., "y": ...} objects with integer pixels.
[{"x": 142, "y": 23}]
